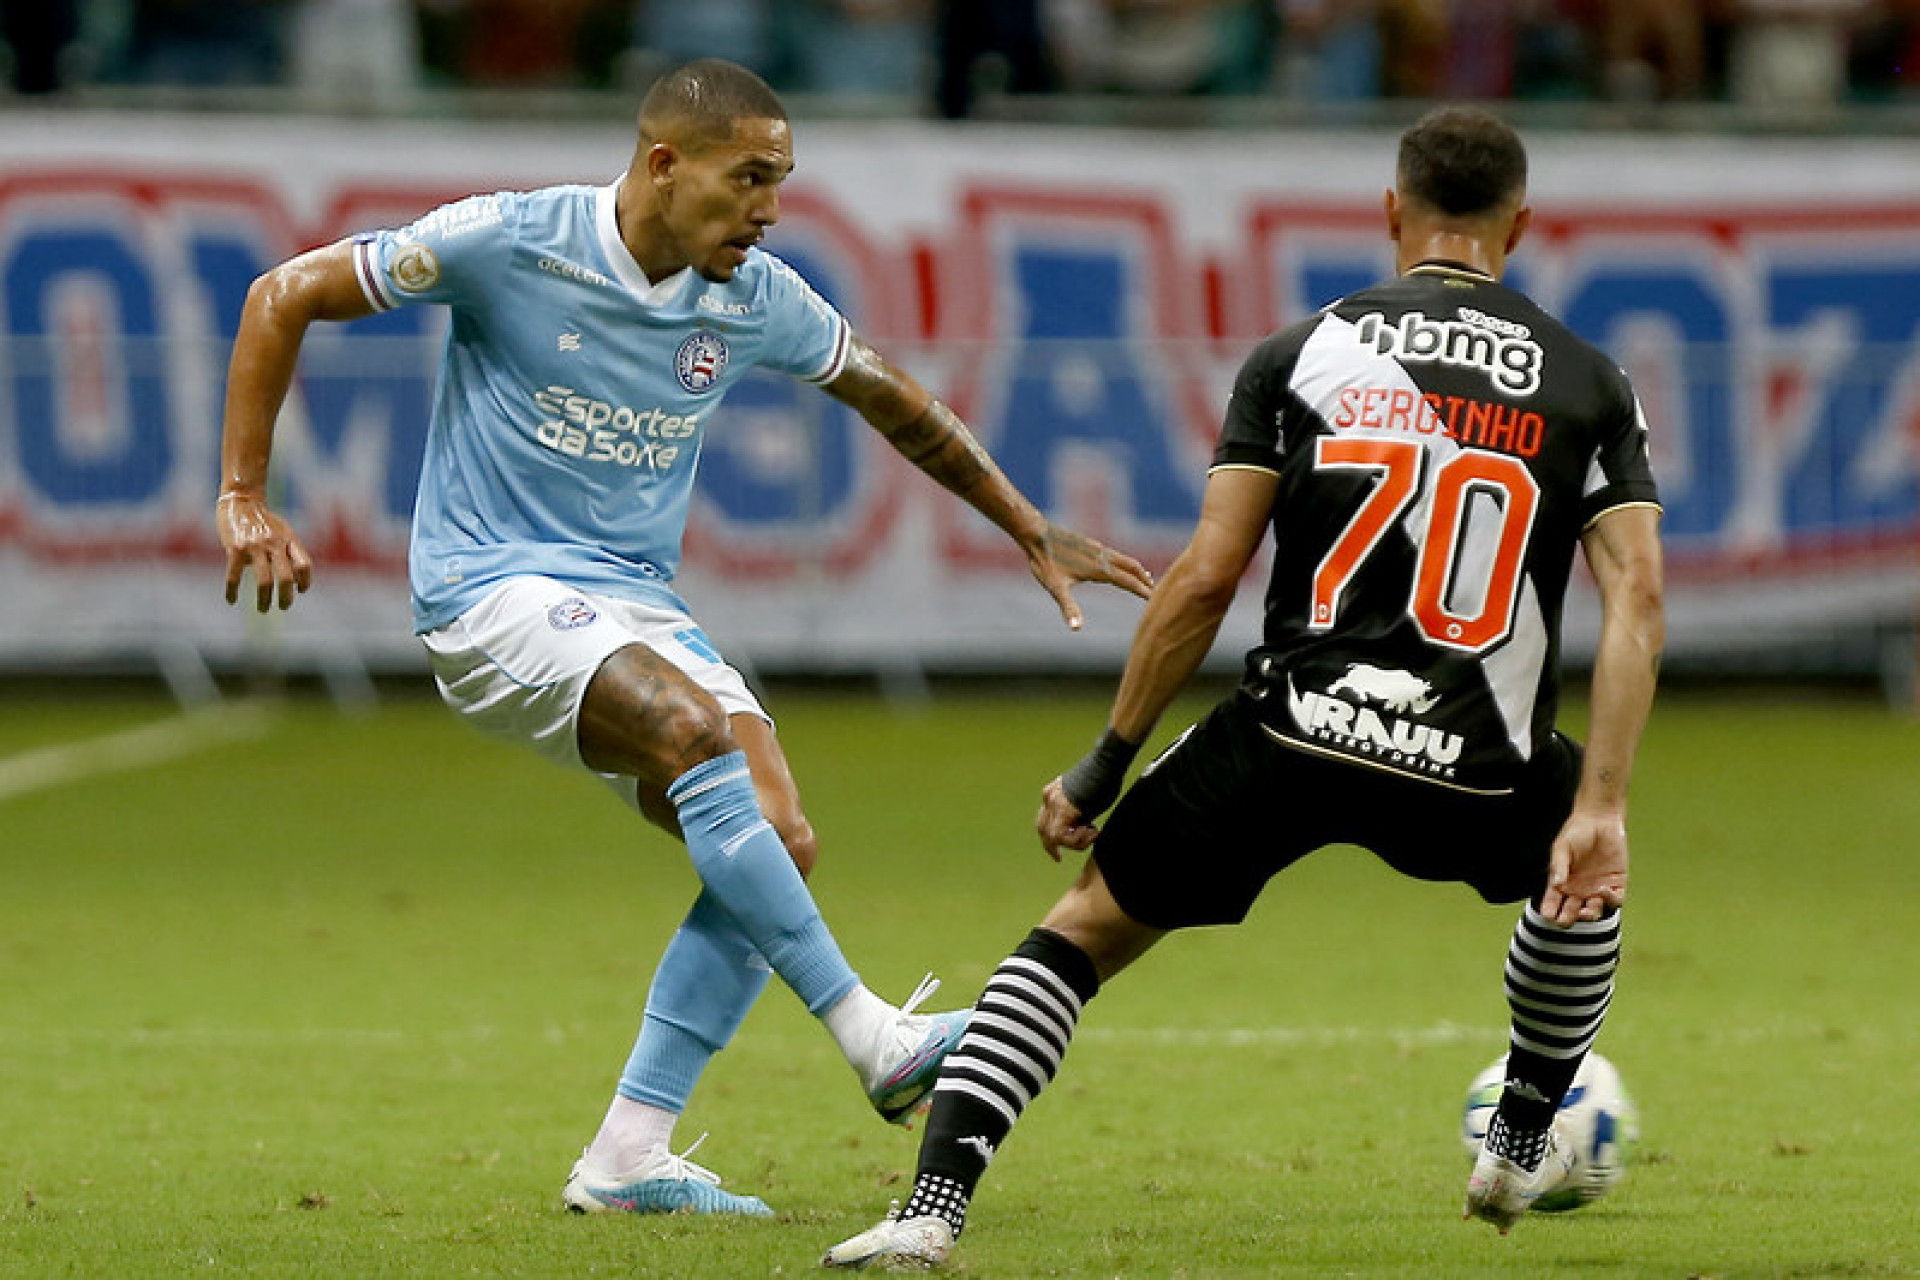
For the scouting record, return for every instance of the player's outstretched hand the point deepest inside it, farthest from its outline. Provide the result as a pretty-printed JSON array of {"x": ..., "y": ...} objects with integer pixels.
[
  {"x": 255, "y": 538},
  {"x": 1587, "y": 875},
  {"x": 1059, "y": 822},
  {"x": 1062, "y": 557}
]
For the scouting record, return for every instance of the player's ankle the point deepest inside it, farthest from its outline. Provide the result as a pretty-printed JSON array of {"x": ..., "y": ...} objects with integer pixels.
[
  {"x": 937, "y": 1196},
  {"x": 858, "y": 1023},
  {"x": 1523, "y": 1147}
]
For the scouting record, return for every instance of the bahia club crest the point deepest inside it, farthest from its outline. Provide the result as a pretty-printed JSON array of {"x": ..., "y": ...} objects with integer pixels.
[{"x": 701, "y": 360}]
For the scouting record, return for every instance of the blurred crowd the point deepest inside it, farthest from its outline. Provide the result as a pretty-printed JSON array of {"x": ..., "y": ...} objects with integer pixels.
[{"x": 946, "y": 55}]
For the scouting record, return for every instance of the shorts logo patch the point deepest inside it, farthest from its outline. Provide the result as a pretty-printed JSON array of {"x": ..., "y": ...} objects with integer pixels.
[
  {"x": 571, "y": 614},
  {"x": 701, "y": 360}
]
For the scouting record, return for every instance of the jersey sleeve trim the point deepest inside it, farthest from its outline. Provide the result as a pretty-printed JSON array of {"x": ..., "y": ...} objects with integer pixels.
[
  {"x": 1261, "y": 467},
  {"x": 1246, "y": 453},
  {"x": 837, "y": 359},
  {"x": 1623, "y": 505},
  {"x": 366, "y": 269}
]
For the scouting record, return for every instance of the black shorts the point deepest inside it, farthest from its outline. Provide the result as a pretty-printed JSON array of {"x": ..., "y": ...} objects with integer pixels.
[{"x": 1198, "y": 835}]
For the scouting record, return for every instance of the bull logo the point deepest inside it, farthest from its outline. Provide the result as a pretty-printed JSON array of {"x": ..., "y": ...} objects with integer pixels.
[
  {"x": 1353, "y": 726},
  {"x": 1400, "y": 692}
]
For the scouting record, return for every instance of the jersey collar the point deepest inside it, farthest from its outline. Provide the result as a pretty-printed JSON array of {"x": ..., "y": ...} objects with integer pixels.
[
  {"x": 1448, "y": 267},
  {"x": 606, "y": 224}
]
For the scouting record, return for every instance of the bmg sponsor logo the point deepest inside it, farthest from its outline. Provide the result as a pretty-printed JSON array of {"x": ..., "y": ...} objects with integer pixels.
[{"x": 1511, "y": 359}]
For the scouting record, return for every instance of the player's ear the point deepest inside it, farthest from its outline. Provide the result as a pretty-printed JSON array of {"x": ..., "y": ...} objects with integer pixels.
[
  {"x": 661, "y": 159},
  {"x": 1392, "y": 206},
  {"x": 1522, "y": 219}
]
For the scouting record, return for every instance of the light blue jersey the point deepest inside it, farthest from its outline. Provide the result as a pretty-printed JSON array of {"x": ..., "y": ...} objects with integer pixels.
[{"x": 574, "y": 394}]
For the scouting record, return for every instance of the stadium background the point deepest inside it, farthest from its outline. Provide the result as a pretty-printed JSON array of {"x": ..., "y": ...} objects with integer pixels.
[
  {"x": 1081, "y": 291},
  {"x": 278, "y": 996}
]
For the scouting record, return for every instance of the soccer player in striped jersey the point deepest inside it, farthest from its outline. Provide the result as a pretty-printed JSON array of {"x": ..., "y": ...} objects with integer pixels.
[
  {"x": 1429, "y": 454},
  {"x": 594, "y": 332}
]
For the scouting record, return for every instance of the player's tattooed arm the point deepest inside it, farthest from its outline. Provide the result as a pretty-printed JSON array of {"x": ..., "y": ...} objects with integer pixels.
[
  {"x": 938, "y": 443},
  {"x": 930, "y": 435}
]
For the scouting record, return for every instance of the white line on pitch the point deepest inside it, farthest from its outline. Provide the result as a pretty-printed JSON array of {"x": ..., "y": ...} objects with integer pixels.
[
  {"x": 46, "y": 767},
  {"x": 1292, "y": 1037},
  {"x": 1440, "y": 1033}
]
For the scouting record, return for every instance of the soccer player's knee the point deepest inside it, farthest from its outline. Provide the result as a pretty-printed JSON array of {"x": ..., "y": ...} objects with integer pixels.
[{"x": 691, "y": 728}]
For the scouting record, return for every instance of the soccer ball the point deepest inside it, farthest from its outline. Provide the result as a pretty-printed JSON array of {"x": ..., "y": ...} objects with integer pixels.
[{"x": 1597, "y": 1121}]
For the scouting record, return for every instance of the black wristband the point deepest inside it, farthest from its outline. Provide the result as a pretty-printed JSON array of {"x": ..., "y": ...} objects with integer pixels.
[{"x": 1094, "y": 784}]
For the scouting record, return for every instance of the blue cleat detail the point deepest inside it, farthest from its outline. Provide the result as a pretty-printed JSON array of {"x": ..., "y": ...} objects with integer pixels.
[
  {"x": 664, "y": 1184},
  {"x": 922, "y": 1042}
]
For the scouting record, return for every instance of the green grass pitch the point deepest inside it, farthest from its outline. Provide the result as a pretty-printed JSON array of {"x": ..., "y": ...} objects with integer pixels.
[{"x": 343, "y": 996}]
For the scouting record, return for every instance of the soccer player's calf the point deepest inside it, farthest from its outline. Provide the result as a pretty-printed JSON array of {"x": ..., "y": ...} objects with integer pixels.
[
  {"x": 1559, "y": 982},
  {"x": 1013, "y": 1047}
]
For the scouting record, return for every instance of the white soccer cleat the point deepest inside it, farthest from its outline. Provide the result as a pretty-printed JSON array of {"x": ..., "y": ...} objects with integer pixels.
[
  {"x": 664, "y": 1183},
  {"x": 1500, "y": 1190},
  {"x": 912, "y": 1244},
  {"x": 902, "y": 1072}
]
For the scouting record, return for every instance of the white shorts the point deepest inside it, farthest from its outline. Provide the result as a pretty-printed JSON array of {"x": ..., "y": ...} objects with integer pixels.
[{"x": 517, "y": 664}]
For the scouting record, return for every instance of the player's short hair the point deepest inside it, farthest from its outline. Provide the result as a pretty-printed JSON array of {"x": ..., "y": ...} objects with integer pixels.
[
  {"x": 1462, "y": 161},
  {"x": 700, "y": 101}
]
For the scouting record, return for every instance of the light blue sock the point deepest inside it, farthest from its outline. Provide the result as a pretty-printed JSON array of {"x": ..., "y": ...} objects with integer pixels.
[
  {"x": 708, "y": 978},
  {"x": 743, "y": 864}
]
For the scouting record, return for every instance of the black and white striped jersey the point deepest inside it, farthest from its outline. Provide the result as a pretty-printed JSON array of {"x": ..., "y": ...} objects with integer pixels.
[{"x": 1441, "y": 444}]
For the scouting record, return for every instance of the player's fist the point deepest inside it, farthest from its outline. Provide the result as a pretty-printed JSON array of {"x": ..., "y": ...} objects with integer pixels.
[{"x": 1060, "y": 824}]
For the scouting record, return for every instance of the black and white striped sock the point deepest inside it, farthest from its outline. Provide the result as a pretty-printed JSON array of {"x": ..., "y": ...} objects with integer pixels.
[
  {"x": 1559, "y": 984},
  {"x": 1013, "y": 1046}
]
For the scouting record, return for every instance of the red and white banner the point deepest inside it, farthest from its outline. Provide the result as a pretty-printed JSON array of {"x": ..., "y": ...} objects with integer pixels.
[{"x": 1083, "y": 298}]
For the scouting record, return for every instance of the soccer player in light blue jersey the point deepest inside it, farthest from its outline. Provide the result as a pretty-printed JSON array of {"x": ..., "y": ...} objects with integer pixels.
[{"x": 595, "y": 331}]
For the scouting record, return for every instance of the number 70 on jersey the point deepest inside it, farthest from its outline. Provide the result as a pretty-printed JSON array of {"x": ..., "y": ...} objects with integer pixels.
[{"x": 1471, "y": 525}]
